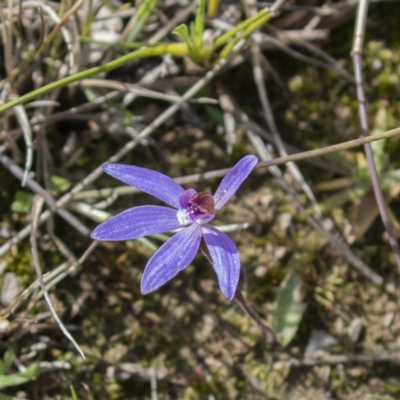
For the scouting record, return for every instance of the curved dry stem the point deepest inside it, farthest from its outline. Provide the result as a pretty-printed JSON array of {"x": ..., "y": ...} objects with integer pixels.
[
  {"x": 357, "y": 62},
  {"x": 36, "y": 209},
  {"x": 244, "y": 305},
  {"x": 116, "y": 157},
  {"x": 334, "y": 240}
]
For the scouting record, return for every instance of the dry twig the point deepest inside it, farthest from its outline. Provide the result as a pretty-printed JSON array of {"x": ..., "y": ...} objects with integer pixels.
[{"x": 36, "y": 209}]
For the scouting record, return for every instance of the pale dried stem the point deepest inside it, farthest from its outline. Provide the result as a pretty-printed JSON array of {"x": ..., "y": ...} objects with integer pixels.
[
  {"x": 50, "y": 201},
  {"x": 50, "y": 278},
  {"x": 270, "y": 120},
  {"x": 247, "y": 309},
  {"x": 338, "y": 359},
  {"x": 140, "y": 91},
  {"x": 357, "y": 62},
  {"x": 226, "y": 105},
  {"x": 60, "y": 23},
  {"x": 23, "y": 121},
  {"x": 66, "y": 269},
  {"x": 269, "y": 40},
  {"x": 277, "y": 5},
  {"x": 179, "y": 18},
  {"x": 189, "y": 179},
  {"x": 334, "y": 240},
  {"x": 125, "y": 150},
  {"x": 36, "y": 209}
]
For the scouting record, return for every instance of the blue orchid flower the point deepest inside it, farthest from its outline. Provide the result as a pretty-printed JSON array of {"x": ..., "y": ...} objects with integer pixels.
[{"x": 191, "y": 210}]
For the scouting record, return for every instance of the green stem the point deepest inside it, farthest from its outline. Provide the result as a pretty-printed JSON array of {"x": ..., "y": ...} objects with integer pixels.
[
  {"x": 197, "y": 35},
  {"x": 246, "y": 32},
  {"x": 144, "y": 12},
  {"x": 178, "y": 49},
  {"x": 212, "y": 8},
  {"x": 262, "y": 15}
]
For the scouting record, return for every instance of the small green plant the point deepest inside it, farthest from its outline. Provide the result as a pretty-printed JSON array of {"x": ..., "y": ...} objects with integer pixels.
[
  {"x": 201, "y": 51},
  {"x": 15, "y": 379},
  {"x": 289, "y": 308}
]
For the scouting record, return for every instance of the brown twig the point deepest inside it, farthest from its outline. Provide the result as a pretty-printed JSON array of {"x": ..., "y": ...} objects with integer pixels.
[
  {"x": 240, "y": 299},
  {"x": 356, "y": 54},
  {"x": 246, "y": 308},
  {"x": 335, "y": 240},
  {"x": 121, "y": 153}
]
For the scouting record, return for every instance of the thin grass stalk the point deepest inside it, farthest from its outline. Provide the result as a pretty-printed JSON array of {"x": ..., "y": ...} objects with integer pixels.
[
  {"x": 95, "y": 174},
  {"x": 197, "y": 177},
  {"x": 49, "y": 39},
  {"x": 176, "y": 49},
  {"x": 357, "y": 62},
  {"x": 334, "y": 240},
  {"x": 36, "y": 209}
]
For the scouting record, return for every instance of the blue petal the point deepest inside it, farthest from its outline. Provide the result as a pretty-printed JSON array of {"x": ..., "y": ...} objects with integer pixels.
[
  {"x": 151, "y": 182},
  {"x": 173, "y": 256},
  {"x": 225, "y": 258},
  {"x": 230, "y": 184},
  {"x": 137, "y": 222}
]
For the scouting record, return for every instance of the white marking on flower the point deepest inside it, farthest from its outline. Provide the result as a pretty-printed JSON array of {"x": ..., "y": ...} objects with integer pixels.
[{"x": 183, "y": 217}]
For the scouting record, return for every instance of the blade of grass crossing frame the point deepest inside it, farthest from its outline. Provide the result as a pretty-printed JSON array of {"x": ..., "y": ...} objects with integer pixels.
[
  {"x": 212, "y": 8},
  {"x": 262, "y": 15},
  {"x": 144, "y": 12}
]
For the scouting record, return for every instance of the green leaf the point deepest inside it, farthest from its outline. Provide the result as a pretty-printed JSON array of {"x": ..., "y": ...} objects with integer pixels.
[
  {"x": 22, "y": 202},
  {"x": 73, "y": 393},
  {"x": 212, "y": 8},
  {"x": 339, "y": 199},
  {"x": 8, "y": 360},
  {"x": 58, "y": 184},
  {"x": 144, "y": 12},
  {"x": 197, "y": 29},
  {"x": 90, "y": 94},
  {"x": 215, "y": 114},
  {"x": 391, "y": 176},
  {"x": 19, "y": 378},
  {"x": 183, "y": 32},
  {"x": 288, "y": 308},
  {"x": 253, "y": 23},
  {"x": 32, "y": 371},
  {"x": 363, "y": 177}
]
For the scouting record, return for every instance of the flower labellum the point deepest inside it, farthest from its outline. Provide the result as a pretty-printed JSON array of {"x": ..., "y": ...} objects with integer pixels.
[{"x": 191, "y": 210}]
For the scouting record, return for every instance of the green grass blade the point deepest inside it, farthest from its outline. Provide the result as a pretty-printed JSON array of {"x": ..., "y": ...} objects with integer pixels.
[
  {"x": 144, "y": 12},
  {"x": 73, "y": 393},
  {"x": 246, "y": 32},
  {"x": 19, "y": 378},
  {"x": 212, "y": 8},
  {"x": 198, "y": 26},
  {"x": 183, "y": 32},
  {"x": 263, "y": 16},
  {"x": 178, "y": 49}
]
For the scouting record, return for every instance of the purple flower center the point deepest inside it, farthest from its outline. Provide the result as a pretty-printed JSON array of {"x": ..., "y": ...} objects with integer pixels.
[{"x": 195, "y": 207}]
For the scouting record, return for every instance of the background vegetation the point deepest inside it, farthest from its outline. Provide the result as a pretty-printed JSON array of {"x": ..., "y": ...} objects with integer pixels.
[{"x": 187, "y": 88}]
